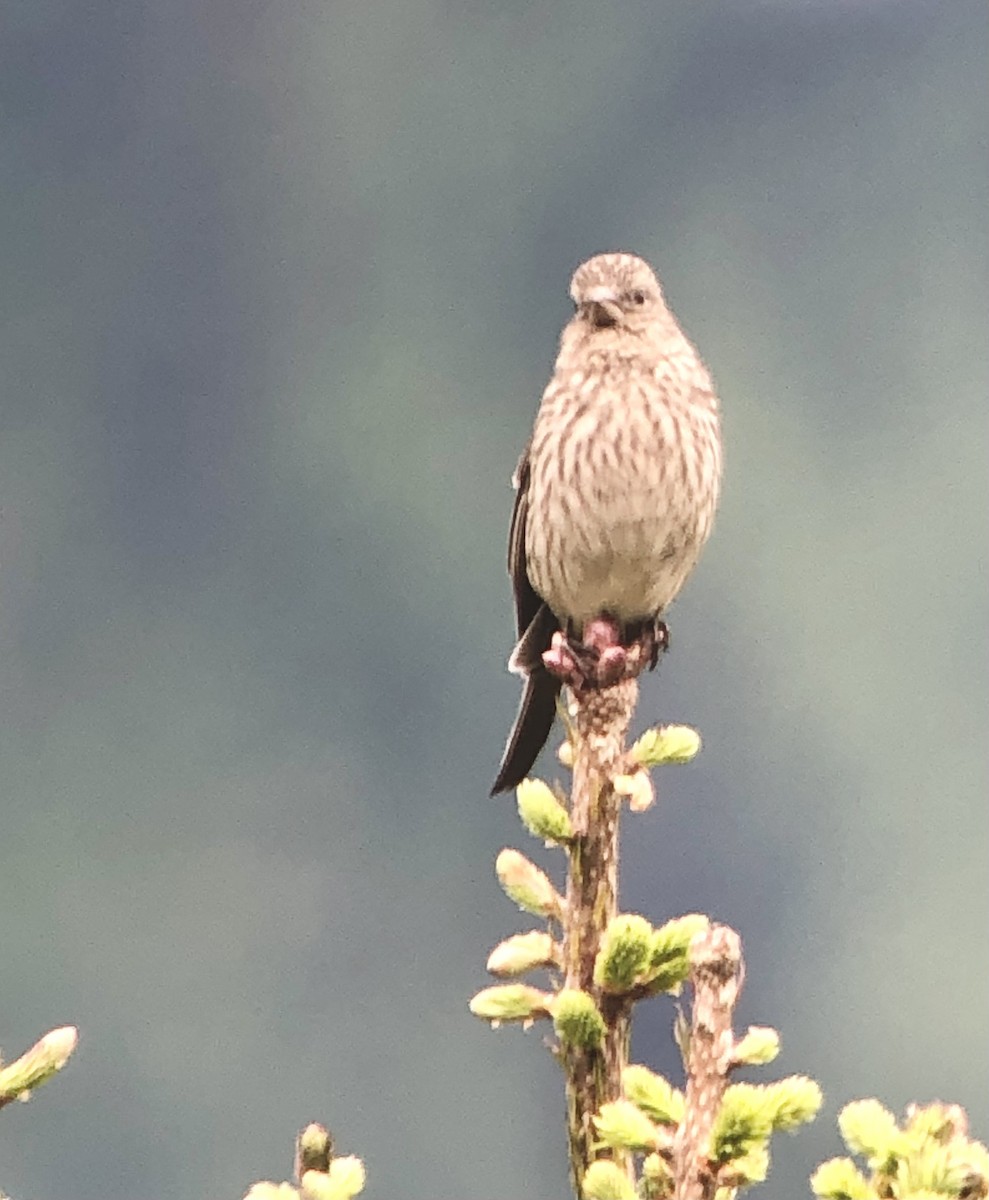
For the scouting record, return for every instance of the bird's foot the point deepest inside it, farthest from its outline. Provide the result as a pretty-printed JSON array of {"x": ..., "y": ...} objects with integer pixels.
[
  {"x": 603, "y": 643},
  {"x": 568, "y": 661},
  {"x": 606, "y": 654}
]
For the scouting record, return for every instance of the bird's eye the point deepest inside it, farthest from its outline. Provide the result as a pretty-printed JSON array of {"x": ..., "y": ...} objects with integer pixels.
[{"x": 638, "y": 298}]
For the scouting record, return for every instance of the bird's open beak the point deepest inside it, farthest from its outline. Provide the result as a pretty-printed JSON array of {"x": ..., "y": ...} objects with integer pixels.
[{"x": 602, "y": 307}]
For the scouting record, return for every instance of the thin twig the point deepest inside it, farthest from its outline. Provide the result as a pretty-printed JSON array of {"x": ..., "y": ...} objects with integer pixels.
[
  {"x": 716, "y": 976},
  {"x": 601, "y": 721}
]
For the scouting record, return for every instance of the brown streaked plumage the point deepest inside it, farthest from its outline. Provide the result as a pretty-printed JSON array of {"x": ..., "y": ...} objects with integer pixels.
[{"x": 617, "y": 489}]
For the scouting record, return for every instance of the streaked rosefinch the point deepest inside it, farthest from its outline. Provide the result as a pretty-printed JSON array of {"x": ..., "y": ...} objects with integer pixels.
[{"x": 615, "y": 494}]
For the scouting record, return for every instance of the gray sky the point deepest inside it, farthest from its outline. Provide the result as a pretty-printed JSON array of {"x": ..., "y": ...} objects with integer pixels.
[{"x": 282, "y": 287}]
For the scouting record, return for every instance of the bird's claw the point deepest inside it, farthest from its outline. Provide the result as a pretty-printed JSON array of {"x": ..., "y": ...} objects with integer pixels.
[
  {"x": 561, "y": 660},
  {"x": 656, "y": 639},
  {"x": 604, "y": 657}
]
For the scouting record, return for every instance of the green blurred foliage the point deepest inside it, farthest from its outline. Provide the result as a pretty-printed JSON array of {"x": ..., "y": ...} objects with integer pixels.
[{"x": 281, "y": 288}]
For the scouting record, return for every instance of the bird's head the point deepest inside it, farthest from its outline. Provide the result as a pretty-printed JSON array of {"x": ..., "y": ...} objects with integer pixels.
[{"x": 617, "y": 291}]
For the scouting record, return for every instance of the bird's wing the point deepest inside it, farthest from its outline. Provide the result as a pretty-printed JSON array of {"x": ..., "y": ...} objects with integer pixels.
[{"x": 527, "y": 600}]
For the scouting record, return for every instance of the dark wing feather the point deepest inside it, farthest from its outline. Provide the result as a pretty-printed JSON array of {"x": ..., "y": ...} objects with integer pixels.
[
  {"x": 536, "y": 626},
  {"x": 530, "y": 731},
  {"x": 527, "y": 600}
]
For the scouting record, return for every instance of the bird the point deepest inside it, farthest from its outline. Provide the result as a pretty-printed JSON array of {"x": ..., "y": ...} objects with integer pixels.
[{"x": 615, "y": 493}]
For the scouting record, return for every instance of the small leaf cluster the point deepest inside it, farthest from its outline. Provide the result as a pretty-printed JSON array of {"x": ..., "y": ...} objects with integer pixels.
[
  {"x": 927, "y": 1156},
  {"x": 634, "y": 959},
  {"x": 575, "y": 1014},
  {"x": 634, "y": 956},
  {"x": 319, "y": 1174},
  {"x": 665, "y": 745},
  {"x": 647, "y": 1120},
  {"x": 531, "y": 889},
  {"x": 749, "y": 1115}
]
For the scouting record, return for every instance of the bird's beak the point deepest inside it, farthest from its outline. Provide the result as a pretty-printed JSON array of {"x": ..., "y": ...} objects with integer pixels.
[{"x": 602, "y": 307}]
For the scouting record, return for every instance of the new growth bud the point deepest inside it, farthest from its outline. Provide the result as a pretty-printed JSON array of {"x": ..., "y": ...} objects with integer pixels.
[
  {"x": 523, "y": 952},
  {"x": 542, "y": 814},
  {"x": 638, "y": 788},
  {"x": 653, "y": 1094},
  {"x": 666, "y": 744},
  {"x": 605, "y": 1180},
  {"x": 267, "y": 1190},
  {"x": 625, "y": 953},
  {"x": 510, "y": 1002},
  {"x": 759, "y": 1046},
  {"x": 576, "y": 1019},
  {"x": 523, "y": 882},
  {"x": 45, "y": 1058},
  {"x": 623, "y": 1126}
]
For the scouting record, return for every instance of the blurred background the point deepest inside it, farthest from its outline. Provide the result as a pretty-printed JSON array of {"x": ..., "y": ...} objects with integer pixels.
[{"x": 282, "y": 286}]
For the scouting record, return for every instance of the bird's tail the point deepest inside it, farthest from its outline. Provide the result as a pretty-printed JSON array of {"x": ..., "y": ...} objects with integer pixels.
[
  {"x": 530, "y": 731},
  {"x": 534, "y": 719}
]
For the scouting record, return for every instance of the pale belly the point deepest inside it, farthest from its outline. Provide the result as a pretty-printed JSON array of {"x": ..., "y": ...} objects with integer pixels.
[
  {"x": 631, "y": 569},
  {"x": 621, "y": 497}
]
